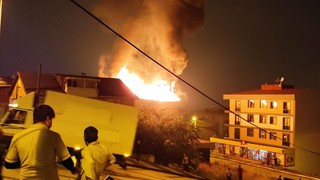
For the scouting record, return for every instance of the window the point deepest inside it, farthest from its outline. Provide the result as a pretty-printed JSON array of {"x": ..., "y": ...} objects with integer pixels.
[
  {"x": 286, "y": 123},
  {"x": 237, "y": 133},
  {"x": 286, "y": 107},
  {"x": 273, "y": 104},
  {"x": 16, "y": 117},
  {"x": 250, "y": 103},
  {"x": 286, "y": 139},
  {"x": 250, "y": 118},
  {"x": 75, "y": 83},
  {"x": 262, "y": 134},
  {"x": 250, "y": 132},
  {"x": 237, "y": 120},
  {"x": 90, "y": 84},
  {"x": 263, "y": 119},
  {"x": 263, "y": 104},
  {"x": 238, "y": 105},
  {"x": 273, "y": 136},
  {"x": 273, "y": 120}
]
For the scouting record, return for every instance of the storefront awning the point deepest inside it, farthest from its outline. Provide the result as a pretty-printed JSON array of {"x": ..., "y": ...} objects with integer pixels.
[{"x": 250, "y": 145}]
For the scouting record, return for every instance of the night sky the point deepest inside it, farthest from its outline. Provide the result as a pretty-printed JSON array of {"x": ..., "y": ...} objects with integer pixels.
[{"x": 238, "y": 46}]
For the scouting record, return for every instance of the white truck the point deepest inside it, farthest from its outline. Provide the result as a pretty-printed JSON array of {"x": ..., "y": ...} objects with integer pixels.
[{"x": 116, "y": 123}]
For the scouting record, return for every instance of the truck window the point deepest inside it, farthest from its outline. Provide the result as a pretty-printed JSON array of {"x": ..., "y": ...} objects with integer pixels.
[{"x": 16, "y": 117}]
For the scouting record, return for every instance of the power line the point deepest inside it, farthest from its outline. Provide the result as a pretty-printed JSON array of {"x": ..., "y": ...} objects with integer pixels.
[{"x": 187, "y": 83}]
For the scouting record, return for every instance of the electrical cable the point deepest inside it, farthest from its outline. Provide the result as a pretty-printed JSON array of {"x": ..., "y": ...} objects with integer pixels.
[{"x": 187, "y": 83}]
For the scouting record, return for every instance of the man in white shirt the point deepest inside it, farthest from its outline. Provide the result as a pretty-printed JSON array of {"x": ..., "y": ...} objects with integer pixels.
[
  {"x": 37, "y": 149},
  {"x": 95, "y": 156}
]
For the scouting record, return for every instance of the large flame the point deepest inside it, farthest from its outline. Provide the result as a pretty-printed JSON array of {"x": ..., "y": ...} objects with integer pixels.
[
  {"x": 156, "y": 27},
  {"x": 159, "y": 90}
]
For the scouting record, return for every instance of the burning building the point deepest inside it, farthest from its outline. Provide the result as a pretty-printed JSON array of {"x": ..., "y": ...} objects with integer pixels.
[{"x": 157, "y": 28}]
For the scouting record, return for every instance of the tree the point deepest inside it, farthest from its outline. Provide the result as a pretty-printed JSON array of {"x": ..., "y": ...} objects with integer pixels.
[{"x": 167, "y": 136}]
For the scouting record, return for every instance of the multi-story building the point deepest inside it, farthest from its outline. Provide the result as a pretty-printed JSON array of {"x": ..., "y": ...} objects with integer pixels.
[{"x": 264, "y": 124}]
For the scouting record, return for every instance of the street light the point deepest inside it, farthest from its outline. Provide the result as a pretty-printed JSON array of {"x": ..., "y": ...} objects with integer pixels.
[{"x": 194, "y": 121}]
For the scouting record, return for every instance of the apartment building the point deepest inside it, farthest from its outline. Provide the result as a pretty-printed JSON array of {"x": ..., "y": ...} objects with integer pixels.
[
  {"x": 276, "y": 123},
  {"x": 261, "y": 125}
]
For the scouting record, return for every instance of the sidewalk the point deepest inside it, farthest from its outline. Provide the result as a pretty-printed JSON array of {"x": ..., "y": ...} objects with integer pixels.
[{"x": 263, "y": 168}]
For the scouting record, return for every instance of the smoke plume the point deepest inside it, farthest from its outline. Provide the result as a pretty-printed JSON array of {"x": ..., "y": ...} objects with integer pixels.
[{"x": 155, "y": 26}]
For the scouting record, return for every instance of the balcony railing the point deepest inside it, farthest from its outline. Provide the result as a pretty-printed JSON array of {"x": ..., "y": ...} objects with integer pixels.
[
  {"x": 285, "y": 143},
  {"x": 286, "y": 111},
  {"x": 286, "y": 127}
]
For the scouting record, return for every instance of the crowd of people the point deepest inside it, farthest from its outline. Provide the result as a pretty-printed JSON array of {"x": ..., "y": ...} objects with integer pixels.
[{"x": 37, "y": 150}]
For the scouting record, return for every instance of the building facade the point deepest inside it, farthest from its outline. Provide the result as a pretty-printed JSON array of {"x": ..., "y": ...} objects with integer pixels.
[{"x": 261, "y": 125}]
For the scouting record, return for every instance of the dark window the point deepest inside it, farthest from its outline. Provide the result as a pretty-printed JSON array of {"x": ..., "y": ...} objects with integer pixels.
[
  {"x": 16, "y": 117},
  {"x": 250, "y": 132},
  {"x": 273, "y": 136},
  {"x": 263, "y": 119},
  {"x": 237, "y": 133},
  {"x": 273, "y": 120},
  {"x": 286, "y": 139},
  {"x": 262, "y": 134},
  {"x": 286, "y": 107},
  {"x": 250, "y": 103},
  {"x": 250, "y": 118},
  {"x": 90, "y": 84}
]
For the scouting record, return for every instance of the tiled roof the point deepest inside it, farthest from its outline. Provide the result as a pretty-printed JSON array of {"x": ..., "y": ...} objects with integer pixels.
[
  {"x": 114, "y": 87},
  {"x": 30, "y": 81}
]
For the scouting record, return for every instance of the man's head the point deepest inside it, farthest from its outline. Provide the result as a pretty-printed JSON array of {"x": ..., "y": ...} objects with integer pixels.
[
  {"x": 43, "y": 113},
  {"x": 90, "y": 134}
]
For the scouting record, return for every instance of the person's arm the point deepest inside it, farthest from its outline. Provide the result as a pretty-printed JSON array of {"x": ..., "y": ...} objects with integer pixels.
[
  {"x": 68, "y": 163},
  {"x": 14, "y": 165},
  {"x": 11, "y": 160}
]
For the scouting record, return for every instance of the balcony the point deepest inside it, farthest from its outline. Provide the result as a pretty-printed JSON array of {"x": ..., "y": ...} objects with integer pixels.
[
  {"x": 285, "y": 143},
  {"x": 286, "y": 111},
  {"x": 286, "y": 127}
]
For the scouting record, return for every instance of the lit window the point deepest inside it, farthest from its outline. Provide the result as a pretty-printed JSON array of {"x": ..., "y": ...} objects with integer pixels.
[
  {"x": 237, "y": 120},
  {"x": 250, "y": 103},
  {"x": 273, "y": 104},
  {"x": 238, "y": 105},
  {"x": 286, "y": 123},
  {"x": 273, "y": 120},
  {"x": 263, "y": 103}
]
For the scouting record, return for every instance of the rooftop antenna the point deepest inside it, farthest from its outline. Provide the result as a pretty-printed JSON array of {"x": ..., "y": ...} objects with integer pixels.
[{"x": 280, "y": 81}]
